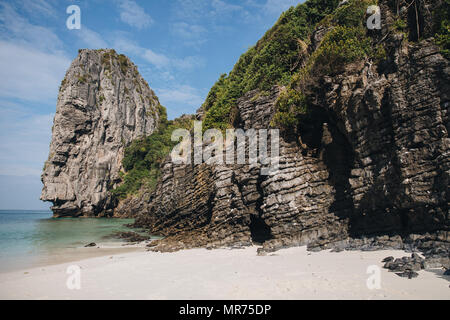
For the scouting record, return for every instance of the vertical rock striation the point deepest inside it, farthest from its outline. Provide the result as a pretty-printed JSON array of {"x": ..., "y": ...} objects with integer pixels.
[{"x": 103, "y": 105}]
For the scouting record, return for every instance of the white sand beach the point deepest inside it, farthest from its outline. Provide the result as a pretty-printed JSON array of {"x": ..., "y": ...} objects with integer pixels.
[{"x": 225, "y": 274}]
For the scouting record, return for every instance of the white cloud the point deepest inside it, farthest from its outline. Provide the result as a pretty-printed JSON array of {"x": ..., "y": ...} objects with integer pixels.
[
  {"x": 188, "y": 63},
  {"x": 211, "y": 16},
  {"x": 190, "y": 34},
  {"x": 222, "y": 8},
  {"x": 38, "y": 7},
  {"x": 134, "y": 15},
  {"x": 180, "y": 99},
  {"x": 158, "y": 60},
  {"x": 167, "y": 76},
  {"x": 14, "y": 27},
  {"x": 91, "y": 39},
  {"x": 189, "y": 31},
  {"x": 32, "y": 61},
  {"x": 206, "y": 11},
  {"x": 32, "y": 64},
  {"x": 182, "y": 94},
  {"x": 30, "y": 74},
  {"x": 191, "y": 10},
  {"x": 276, "y": 7}
]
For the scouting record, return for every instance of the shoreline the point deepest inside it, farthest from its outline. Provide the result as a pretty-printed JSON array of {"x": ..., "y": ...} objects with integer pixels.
[
  {"x": 292, "y": 273},
  {"x": 71, "y": 255}
]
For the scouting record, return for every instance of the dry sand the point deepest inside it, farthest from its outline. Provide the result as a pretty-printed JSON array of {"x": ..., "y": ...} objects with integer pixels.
[{"x": 225, "y": 274}]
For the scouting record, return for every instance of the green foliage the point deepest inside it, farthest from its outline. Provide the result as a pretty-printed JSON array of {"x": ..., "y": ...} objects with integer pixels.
[
  {"x": 347, "y": 41},
  {"x": 123, "y": 62},
  {"x": 81, "y": 79},
  {"x": 144, "y": 156},
  {"x": 352, "y": 14},
  {"x": 442, "y": 28},
  {"x": 379, "y": 53},
  {"x": 271, "y": 61},
  {"x": 290, "y": 105},
  {"x": 400, "y": 25},
  {"x": 107, "y": 59},
  {"x": 340, "y": 46}
]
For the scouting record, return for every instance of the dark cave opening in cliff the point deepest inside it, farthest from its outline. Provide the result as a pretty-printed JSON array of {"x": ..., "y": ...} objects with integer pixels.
[{"x": 259, "y": 229}]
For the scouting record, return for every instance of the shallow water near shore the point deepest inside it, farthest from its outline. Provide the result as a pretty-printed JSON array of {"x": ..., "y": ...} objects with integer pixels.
[{"x": 34, "y": 238}]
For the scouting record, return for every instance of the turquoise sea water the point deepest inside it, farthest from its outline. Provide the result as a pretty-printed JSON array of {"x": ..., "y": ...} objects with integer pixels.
[{"x": 33, "y": 238}]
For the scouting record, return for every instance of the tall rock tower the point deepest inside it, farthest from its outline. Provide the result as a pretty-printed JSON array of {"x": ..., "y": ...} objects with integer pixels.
[{"x": 103, "y": 105}]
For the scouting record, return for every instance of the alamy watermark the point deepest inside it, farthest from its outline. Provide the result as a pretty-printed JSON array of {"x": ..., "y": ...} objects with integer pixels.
[
  {"x": 73, "y": 282},
  {"x": 211, "y": 148},
  {"x": 374, "y": 21},
  {"x": 74, "y": 20},
  {"x": 374, "y": 280}
]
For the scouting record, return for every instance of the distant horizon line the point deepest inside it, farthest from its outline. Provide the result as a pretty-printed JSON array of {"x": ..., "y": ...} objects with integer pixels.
[{"x": 36, "y": 210}]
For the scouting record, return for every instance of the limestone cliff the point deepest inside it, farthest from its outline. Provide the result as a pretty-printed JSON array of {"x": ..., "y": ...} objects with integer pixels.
[
  {"x": 103, "y": 105},
  {"x": 371, "y": 158}
]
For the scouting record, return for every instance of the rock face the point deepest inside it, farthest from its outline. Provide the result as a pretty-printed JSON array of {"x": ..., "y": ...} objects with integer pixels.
[
  {"x": 103, "y": 105},
  {"x": 373, "y": 159}
]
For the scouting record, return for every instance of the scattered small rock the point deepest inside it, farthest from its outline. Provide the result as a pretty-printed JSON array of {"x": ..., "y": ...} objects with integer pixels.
[
  {"x": 408, "y": 274},
  {"x": 131, "y": 236},
  {"x": 261, "y": 253},
  {"x": 406, "y": 266}
]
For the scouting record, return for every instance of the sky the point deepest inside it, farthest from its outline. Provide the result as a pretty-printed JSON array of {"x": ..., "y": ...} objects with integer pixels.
[{"x": 181, "y": 47}]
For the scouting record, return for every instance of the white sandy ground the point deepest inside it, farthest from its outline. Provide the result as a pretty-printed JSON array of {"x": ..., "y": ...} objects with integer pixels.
[{"x": 225, "y": 274}]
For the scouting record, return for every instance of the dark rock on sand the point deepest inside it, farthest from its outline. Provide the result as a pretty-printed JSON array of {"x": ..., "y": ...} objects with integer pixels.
[
  {"x": 408, "y": 274},
  {"x": 131, "y": 236},
  {"x": 413, "y": 263}
]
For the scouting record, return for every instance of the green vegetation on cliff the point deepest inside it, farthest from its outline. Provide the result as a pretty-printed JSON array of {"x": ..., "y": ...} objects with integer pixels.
[
  {"x": 144, "y": 156},
  {"x": 273, "y": 60},
  {"x": 442, "y": 27},
  {"x": 345, "y": 42}
]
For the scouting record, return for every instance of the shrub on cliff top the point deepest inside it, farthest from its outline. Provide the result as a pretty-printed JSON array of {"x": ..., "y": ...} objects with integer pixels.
[
  {"x": 340, "y": 46},
  {"x": 347, "y": 41}
]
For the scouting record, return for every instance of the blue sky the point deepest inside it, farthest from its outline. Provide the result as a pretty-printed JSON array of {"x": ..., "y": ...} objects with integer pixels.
[{"x": 180, "y": 46}]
